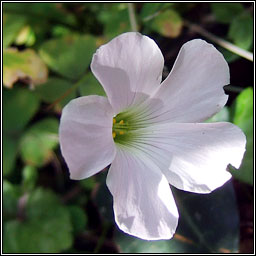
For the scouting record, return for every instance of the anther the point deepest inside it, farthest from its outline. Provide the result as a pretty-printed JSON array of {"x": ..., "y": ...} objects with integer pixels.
[
  {"x": 121, "y": 132},
  {"x": 121, "y": 122},
  {"x": 113, "y": 134},
  {"x": 114, "y": 120}
]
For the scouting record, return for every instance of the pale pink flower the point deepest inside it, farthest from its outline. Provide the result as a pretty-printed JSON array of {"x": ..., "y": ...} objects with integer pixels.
[{"x": 151, "y": 132}]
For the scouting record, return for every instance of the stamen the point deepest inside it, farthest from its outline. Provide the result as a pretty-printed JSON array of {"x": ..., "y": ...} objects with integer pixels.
[{"x": 125, "y": 129}]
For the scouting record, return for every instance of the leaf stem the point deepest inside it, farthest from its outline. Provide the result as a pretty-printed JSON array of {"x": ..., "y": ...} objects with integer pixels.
[
  {"x": 221, "y": 42},
  {"x": 102, "y": 238},
  {"x": 132, "y": 17},
  {"x": 232, "y": 88},
  {"x": 65, "y": 94}
]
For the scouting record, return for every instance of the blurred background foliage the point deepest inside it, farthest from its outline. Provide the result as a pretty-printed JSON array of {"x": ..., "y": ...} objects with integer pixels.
[{"x": 47, "y": 50}]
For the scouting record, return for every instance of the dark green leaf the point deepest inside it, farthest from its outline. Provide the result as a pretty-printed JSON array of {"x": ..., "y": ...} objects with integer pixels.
[
  {"x": 41, "y": 11},
  {"x": 37, "y": 143},
  {"x": 103, "y": 198},
  {"x": 55, "y": 88},
  {"x": 19, "y": 106},
  {"x": 78, "y": 218},
  {"x": 12, "y": 24},
  {"x": 149, "y": 9},
  {"x": 47, "y": 228},
  {"x": 115, "y": 20},
  {"x": 243, "y": 117},
  {"x": 226, "y": 12},
  {"x": 11, "y": 194},
  {"x": 89, "y": 85},
  {"x": 69, "y": 56},
  {"x": 229, "y": 56},
  {"x": 241, "y": 31},
  {"x": 9, "y": 154},
  {"x": 88, "y": 183}
]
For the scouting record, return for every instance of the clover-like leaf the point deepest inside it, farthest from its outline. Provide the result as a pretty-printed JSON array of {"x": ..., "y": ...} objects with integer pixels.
[
  {"x": 89, "y": 85},
  {"x": 226, "y": 12},
  {"x": 11, "y": 194},
  {"x": 243, "y": 117},
  {"x": 47, "y": 227},
  {"x": 20, "y": 105},
  {"x": 169, "y": 23},
  {"x": 25, "y": 65},
  {"x": 241, "y": 30},
  {"x": 9, "y": 154},
  {"x": 69, "y": 56},
  {"x": 78, "y": 218},
  {"x": 54, "y": 89},
  {"x": 12, "y": 24},
  {"x": 38, "y": 142}
]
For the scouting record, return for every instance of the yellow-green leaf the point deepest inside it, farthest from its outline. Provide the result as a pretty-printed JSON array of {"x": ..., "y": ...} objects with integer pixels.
[
  {"x": 168, "y": 23},
  {"x": 25, "y": 65}
]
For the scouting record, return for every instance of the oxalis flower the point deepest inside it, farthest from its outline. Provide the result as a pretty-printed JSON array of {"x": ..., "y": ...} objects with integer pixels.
[{"x": 151, "y": 132}]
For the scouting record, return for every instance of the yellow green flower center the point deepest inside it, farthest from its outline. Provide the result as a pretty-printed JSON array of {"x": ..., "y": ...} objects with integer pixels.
[{"x": 125, "y": 128}]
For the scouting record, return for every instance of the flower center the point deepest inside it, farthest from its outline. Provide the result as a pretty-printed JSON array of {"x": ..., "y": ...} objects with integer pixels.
[{"x": 125, "y": 128}]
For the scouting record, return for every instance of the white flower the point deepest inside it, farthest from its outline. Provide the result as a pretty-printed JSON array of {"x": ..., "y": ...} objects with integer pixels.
[{"x": 152, "y": 132}]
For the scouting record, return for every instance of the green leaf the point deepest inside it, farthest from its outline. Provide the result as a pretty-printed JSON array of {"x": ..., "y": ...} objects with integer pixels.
[
  {"x": 69, "y": 56},
  {"x": 169, "y": 24},
  {"x": 9, "y": 154},
  {"x": 11, "y": 194},
  {"x": 243, "y": 117},
  {"x": 89, "y": 85},
  {"x": 55, "y": 88},
  {"x": 149, "y": 9},
  {"x": 47, "y": 228},
  {"x": 222, "y": 116},
  {"x": 25, "y": 65},
  {"x": 12, "y": 24},
  {"x": 241, "y": 31},
  {"x": 39, "y": 141},
  {"x": 53, "y": 12},
  {"x": 88, "y": 183},
  {"x": 226, "y": 12},
  {"x": 229, "y": 56},
  {"x": 19, "y": 106},
  {"x": 116, "y": 20},
  {"x": 78, "y": 218},
  {"x": 29, "y": 177},
  {"x": 208, "y": 224}
]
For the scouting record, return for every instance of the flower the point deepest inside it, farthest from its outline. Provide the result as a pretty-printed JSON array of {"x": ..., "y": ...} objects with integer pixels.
[{"x": 152, "y": 131}]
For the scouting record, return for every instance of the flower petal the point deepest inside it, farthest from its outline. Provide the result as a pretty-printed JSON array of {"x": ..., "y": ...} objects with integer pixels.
[
  {"x": 193, "y": 91},
  {"x": 86, "y": 136},
  {"x": 143, "y": 202},
  {"x": 194, "y": 157},
  {"x": 129, "y": 68}
]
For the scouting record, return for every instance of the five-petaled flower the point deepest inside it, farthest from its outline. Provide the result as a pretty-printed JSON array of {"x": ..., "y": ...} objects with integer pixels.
[{"x": 152, "y": 132}]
